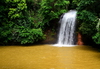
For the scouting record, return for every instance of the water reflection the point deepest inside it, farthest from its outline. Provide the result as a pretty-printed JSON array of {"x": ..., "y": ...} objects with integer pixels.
[{"x": 49, "y": 57}]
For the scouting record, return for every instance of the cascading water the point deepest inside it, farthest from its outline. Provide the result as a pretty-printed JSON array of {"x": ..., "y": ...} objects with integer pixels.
[{"x": 66, "y": 34}]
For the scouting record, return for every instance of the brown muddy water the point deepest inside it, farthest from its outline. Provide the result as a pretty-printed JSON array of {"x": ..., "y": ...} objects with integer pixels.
[{"x": 49, "y": 57}]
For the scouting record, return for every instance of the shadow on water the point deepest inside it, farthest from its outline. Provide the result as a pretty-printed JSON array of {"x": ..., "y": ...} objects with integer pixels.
[{"x": 88, "y": 48}]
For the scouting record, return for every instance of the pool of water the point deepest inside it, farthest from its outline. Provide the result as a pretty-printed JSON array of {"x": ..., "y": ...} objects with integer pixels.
[{"x": 49, "y": 57}]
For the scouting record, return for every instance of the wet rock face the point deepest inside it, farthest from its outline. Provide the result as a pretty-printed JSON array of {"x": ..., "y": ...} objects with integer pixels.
[{"x": 79, "y": 39}]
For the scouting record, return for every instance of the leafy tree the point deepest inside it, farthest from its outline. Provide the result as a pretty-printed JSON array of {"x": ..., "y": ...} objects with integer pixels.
[
  {"x": 88, "y": 15},
  {"x": 33, "y": 7},
  {"x": 96, "y": 37},
  {"x": 17, "y": 25},
  {"x": 52, "y": 9},
  {"x": 73, "y": 4}
]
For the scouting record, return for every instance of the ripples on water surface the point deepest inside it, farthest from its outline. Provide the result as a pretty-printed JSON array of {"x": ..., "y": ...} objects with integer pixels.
[{"x": 49, "y": 57}]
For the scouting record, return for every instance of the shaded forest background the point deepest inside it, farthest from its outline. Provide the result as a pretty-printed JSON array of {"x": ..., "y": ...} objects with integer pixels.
[{"x": 31, "y": 21}]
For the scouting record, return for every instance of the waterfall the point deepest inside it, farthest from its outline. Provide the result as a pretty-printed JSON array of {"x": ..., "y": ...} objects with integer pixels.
[{"x": 67, "y": 28}]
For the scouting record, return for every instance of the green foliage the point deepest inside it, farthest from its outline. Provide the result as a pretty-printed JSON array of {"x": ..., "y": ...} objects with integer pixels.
[
  {"x": 88, "y": 14},
  {"x": 73, "y": 4},
  {"x": 21, "y": 20},
  {"x": 85, "y": 4},
  {"x": 88, "y": 22},
  {"x": 25, "y": 35},
  {"x": 17, "y": 25},
  {"x": 96, "y": 37},
  {"x": 33, "y": 5},
  {"x": 17, "y": 10},
  {"x": 52, "y": 9}
]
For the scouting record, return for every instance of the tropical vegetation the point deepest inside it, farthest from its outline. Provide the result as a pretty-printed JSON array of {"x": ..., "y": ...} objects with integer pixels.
[{"x": 26, "y": 21}]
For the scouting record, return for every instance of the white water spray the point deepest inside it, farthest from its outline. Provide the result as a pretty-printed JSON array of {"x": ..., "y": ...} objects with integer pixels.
[{"x": 66, "y": 35}]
